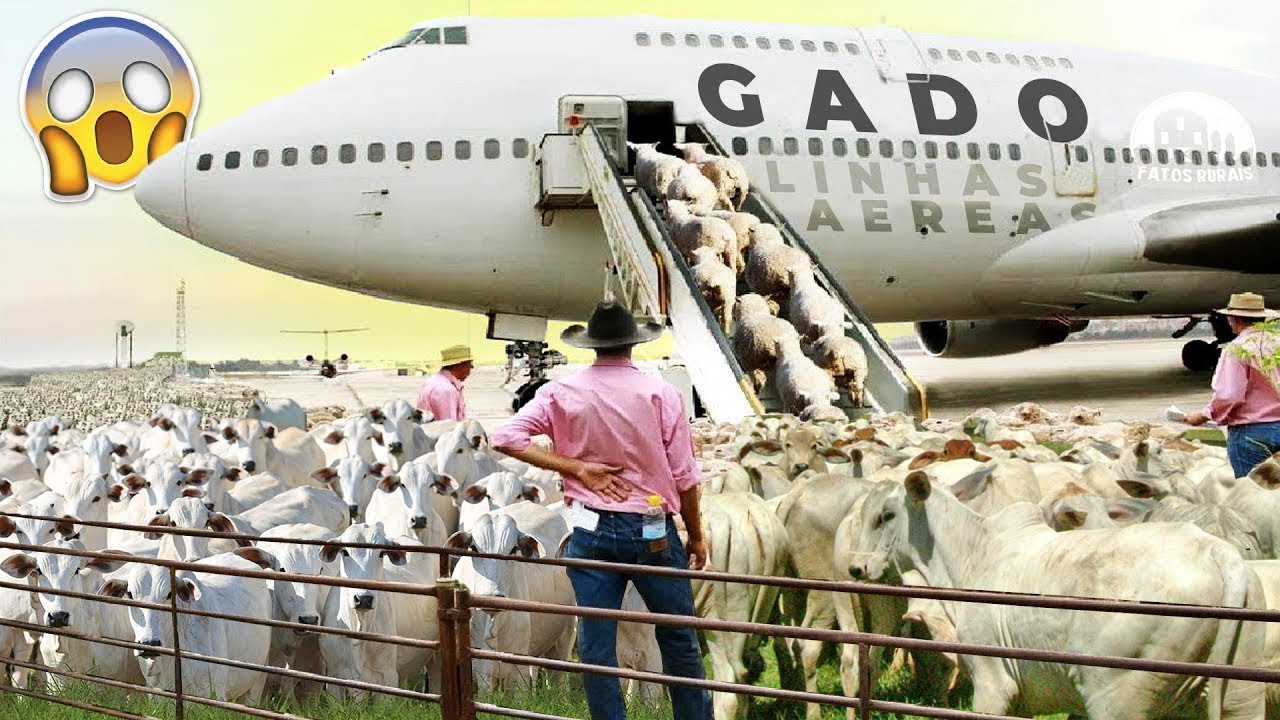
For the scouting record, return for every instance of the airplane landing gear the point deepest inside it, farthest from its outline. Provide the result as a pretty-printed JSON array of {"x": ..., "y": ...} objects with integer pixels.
[
  {"x": 1201, "y": 355},
  {"x": 534, "y": 359}
]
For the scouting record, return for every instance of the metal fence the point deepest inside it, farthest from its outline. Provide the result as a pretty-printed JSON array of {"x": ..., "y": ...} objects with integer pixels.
[{"x": 455, "y": 604}]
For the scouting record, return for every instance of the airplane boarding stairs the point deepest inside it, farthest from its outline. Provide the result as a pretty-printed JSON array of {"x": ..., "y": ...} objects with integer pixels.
[{"x": 653, "y": 279}]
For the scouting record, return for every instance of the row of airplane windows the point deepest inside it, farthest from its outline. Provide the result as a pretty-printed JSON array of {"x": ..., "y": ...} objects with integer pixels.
[
  {"x": 667, "y": 39},
  {"x": 910, "y": 149},
  {"x": 376, "y": 152}
]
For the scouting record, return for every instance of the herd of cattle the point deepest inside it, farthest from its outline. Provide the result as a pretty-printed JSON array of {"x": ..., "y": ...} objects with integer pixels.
[{"x": 886, "y": 500}]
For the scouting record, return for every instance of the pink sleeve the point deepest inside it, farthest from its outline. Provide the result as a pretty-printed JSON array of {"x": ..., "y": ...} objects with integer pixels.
[
  {"x": 533, "y": 419},
  {"x": 678, "y": 441},
  {"x": 1230, "y": 379}
]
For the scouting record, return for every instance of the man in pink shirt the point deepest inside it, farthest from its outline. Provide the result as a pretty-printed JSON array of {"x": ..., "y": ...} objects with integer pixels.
[
  {"x": 1246, "y": 398},
  {"x": 620, "y": 439},
  {"x": 441, "y": 394}
]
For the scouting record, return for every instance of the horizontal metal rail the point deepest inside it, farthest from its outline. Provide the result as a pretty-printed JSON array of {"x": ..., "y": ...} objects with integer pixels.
[
  {"x": 860, "y": 638},
  {"x": 989, "y": 597},
  {"x": 100, "y": 710}
]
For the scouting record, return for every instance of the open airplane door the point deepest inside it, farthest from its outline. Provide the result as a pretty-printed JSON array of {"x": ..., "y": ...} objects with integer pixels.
[{"x": 1074, "y": 171}]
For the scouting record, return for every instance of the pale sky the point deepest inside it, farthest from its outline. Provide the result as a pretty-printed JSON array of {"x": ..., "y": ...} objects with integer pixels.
[{"x": 71, "y": 271}]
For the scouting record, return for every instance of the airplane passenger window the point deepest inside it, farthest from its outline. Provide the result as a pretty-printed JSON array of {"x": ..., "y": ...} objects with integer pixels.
[
  {"x": 808, "y": 45},
  {"x": 462, "y": 150},
  {"x": 455, "y": 36},
  {"x": 642, "y": 39},
  {"x": 852, "y": 48},
  {"x": 1082, "y": 153},
  {"x": 692, "y": 40},
  {"x": 1109, "y": 154},
  {"x": 1275, "y": 159},
  {"x": 993, "y": 58},
  {"x": 1262, "y": 159},
  {"x": 232, "y": 161},
  {"x": 786, "y": 44},
  {"x": 319, "y": 154},
  {"x": 739, "y": 145},
  {"x": 766, "y": 146},
  {"x": 377, "y": 152},
  {"x": 993, "y": 149},
  {"x": 762, "y": 43},
  {"x": 520, "y": 148},
  {"x": 1229, "y": 158},
  {"x": 1180, "y": 156},
  {"x": 839, "y": 147},
  {"x": 830, "y": 46},
  {"x": 668, "y": 39},
  {"x": 1144, "y": 155},
  {"x": 1011, "y": 59},
  {"x": 1031, "y": 62},
  {"x": 886, "y": 148},
  {"x": 1197, "y": 157},
  {"x": 435, "y": 150},
  {"x": 935, "y": 53},
  {"x": 430, "y": 37},
  {"x": 908, "y": 149},
  {"x": 955, "y": 55},
  {"x": 1015, "y": 152},
  {"x": 790, "y": 146},
  {"x": 289, "y": 156},
  {"x": 404, "y": 151},
  {"x": 974, "y": 56},
  {"x": 205, "y": 162},
  {"x": 1246, "y": 159},
  {"x": 1212, "y": 157},
  {"x": 953, "y": 151},
  {"x": 491, "y": 149},
  {"x": 975, "y": 152},
  {"x": 260, "y": 158},
  {"x": 1162, "y": 156},
  {"x": 1065, "y": 63},
  {"x": 864, "y": 147},
  {"x": 346, "y": 153},
  {"x": 717, "y": 41},
  {"x": 1127, "y": 155},
  {"x": 739, "y": 41},
  {"x": 931, "y": 149},
  {"x": 1048, "y": 61},
  {"x": 815, "y": 146}
]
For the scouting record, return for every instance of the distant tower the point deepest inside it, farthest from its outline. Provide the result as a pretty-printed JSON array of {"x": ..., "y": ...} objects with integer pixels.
[{"x": 180, "y": 327}]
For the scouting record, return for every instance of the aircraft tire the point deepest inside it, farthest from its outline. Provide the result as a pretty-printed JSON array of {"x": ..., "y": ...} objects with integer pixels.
[{"x": 1200, "y": 356}]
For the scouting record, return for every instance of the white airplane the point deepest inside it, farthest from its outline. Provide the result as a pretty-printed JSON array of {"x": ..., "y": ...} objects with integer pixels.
[{"x": 996, "y": 193}]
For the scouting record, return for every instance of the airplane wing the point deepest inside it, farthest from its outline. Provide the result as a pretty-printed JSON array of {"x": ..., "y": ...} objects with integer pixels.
[{"x": 1239, "y": 234}]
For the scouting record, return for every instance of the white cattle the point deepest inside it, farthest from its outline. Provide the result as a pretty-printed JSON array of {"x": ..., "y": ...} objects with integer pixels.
[
  {"x": 386, "y": 613},
  {"x": 744, "y": 536},
  {"x": 209, "y": 591},
  {"x": 402, "y": 434},
  {"x": 354, "y": 480},
  {"x": 1260, "y": 504},
  {"x": 297, "y": 602},
  {"x": 492, "y": 492},
  {"x": 1014, "y": 551},
  {"x": 353, "y": 438},
  {"x": 16, "y": 466},
  {"x": 87, "y": 496},
  {"x": 404, "y": 504},
  {"x": 150, "y": 495},
  {"x": 68, "y": 573},
  {"x": 459, "y": 456},
  {"x": 281, "y": 412},
  {"x": 532, "y": 531},
  {"x": 314, "y": 505},
  {"x": 290, "y": 455},
  {"x": 175, "y": 429},
  {"x": 95, "y": 457},
  {"x": 16, "y": 604}
]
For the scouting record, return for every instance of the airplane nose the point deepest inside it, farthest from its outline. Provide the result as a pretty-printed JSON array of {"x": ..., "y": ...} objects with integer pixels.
[{"x": 161, "y": 190}]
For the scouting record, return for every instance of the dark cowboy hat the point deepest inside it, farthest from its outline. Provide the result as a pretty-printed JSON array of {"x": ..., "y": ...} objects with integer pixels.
[{"x": 611, "y": 325}]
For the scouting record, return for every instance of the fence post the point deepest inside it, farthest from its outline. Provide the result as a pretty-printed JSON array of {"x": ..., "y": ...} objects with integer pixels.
[
  {"x": 179, "y": 710},
  {"x": 462, "y": 633},
  {"x": 444, "y": 563},
  {"x": 450, "y": 686},
  {"x": 864, "y": 681}
]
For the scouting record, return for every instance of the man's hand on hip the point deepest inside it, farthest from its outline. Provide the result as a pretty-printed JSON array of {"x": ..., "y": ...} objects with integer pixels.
[{"x": 603, "y": 480}]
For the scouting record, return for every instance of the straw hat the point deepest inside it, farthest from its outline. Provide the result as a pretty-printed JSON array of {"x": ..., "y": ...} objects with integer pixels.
[
  {"x": 455, "y": 354},
  {"x": 611, "y": 325},
  {"x": 1247, "y": 305}
]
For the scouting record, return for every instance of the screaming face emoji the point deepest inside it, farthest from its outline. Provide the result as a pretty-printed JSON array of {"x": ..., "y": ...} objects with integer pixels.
[{"x": 104, "y": 95}]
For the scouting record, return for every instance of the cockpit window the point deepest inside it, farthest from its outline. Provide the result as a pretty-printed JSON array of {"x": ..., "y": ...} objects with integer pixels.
[
  {"x": 455, "y": 36},
  {"x": 408, "y": 38},
  {"x": 430, "y": 36}
]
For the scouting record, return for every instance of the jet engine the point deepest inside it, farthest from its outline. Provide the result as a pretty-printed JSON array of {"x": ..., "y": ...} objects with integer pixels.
[{"x": 985, "y": 338}]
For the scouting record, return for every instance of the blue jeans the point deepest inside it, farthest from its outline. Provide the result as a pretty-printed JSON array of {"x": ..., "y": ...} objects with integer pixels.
[
  {"x": 617, "y": 539},
  {"x": 1249, "y": 445}
]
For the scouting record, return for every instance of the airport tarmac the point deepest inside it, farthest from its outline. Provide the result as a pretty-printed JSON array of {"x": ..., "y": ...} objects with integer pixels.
[{"x": 1128, "y": 380}]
